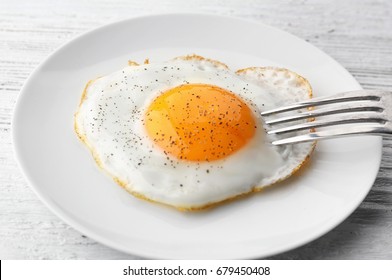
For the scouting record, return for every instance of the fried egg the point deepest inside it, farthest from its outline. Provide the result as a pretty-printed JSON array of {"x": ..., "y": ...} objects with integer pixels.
[{"x": 188, "y": 132}]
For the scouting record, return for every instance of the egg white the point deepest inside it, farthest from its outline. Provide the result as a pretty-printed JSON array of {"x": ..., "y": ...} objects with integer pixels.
[{"x": 110, "y": 122}]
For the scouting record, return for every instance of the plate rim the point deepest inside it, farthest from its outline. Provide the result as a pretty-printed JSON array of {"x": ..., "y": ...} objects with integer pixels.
[{"x": 47, "y": 201}]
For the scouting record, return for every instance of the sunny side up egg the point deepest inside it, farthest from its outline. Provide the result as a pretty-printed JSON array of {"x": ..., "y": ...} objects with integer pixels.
[{"x": 188, "y": 132}]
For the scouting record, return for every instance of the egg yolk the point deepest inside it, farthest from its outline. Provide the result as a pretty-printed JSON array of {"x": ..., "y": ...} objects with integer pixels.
[{"x": 199, "y": 122}]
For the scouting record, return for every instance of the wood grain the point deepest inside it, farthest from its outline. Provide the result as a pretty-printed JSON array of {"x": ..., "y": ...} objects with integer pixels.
[{"x": 356, "y": 33}]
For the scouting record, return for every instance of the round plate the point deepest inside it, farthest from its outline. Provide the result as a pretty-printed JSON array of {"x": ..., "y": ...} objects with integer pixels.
[{"x": 64, "y": 175}]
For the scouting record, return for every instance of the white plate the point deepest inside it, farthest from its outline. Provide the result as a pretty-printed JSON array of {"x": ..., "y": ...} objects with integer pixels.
[{"x": 63, "y": 174}]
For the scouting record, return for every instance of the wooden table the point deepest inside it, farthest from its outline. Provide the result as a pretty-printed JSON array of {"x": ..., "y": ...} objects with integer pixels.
[{"x": 358, "y": 34}]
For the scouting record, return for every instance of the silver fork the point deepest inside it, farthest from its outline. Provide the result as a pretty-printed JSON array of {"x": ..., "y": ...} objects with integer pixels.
[{"x": 356, "y": 112}]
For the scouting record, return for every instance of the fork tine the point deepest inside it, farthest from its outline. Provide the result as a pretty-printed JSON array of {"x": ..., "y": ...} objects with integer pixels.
[
  {"x": 338, "y": 98},
  {"x": 370, "y": 118},
  {"x": 323, "y": 112},
  {"x": 371, "y": 130}
]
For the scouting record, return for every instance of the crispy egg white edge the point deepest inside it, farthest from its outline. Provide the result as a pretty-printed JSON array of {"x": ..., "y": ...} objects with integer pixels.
[
  {"x": 270, "y": 77},
  {"x": 252, "y": 75}
]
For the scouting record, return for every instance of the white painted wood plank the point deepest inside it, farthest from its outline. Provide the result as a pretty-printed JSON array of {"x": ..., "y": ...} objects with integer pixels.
[{"x": 356, "y": 33}]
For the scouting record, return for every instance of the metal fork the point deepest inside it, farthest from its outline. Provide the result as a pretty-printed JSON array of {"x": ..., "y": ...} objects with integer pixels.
[{"x": 360, "y": 112}]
